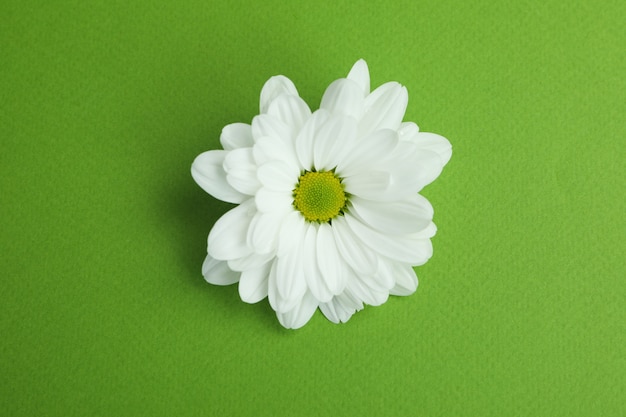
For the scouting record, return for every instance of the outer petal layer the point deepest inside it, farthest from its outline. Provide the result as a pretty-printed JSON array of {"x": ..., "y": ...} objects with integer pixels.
[
  {"x": 400, "y": 248},
  {"x": 227, "y": 239},
  {"x": 217, "y": 272},
  {"x": 236, "y": 135},
  {"x": 361, "y": 75},
  {"x": 273, "y": 88},
  {"x": 207, "y": 170},
  {"x": 344, "y": 97},
  {"x": 384, "y": 108},
  {"x": 291, "y": 110},
  {"x": 253, "y": 284},
  {"x": 241, "y": 170},
  {"x": 425, "y": 140},
  {"x": 406, "y": 280},
  {"x": 409, "y": 215},
  {"x": 341, "y": 308},
  {"x": 300, "y": 314}
]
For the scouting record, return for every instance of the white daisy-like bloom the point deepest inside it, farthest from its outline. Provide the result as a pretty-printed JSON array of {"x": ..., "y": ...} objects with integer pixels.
[{"x": 328, "y": 210}]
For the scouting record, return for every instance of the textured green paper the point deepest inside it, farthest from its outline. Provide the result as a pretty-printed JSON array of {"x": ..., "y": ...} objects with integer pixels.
[{"x": 103, "y": 311}]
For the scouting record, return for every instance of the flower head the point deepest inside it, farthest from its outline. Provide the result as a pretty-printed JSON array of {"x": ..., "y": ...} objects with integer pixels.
[{"x": 328, "y": 211}]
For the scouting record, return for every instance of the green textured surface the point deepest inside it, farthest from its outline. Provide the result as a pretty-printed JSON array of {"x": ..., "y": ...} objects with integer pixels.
[{"x": 103, "y": 311}]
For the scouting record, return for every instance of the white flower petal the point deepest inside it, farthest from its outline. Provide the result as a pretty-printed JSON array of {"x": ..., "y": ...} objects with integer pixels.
[
  {"x": 384, "y": 278},
  {"x": 334, "y": 141},
  {"x": 430, "y": 167},
  {"x": 371, "y": 185},
  {"x": 424, "y": 140},
  {"x": 241, "y": 170},
  {"x": 209, "y": 174},
  {"x": 306, "y": 138},
  {"x": 316, "y": 284},
  {"x": 236, "y": 135},
  {"x": 290, "y": 275},
  {"x": 268, "y": 201},
  {"x": 379, "y": 281},
  {"x": 406, "y": 280},
  {"x": 253, "y": 283},
  {"x": 344, "y": 97},
  {"x": 227, "y": 239},
  {"x": 425, "y": 248},
  {"x": 273, "y": 88},
  {"x": 369, "y": 295},
  {"x": 300, "y": 315},
  {"x": 277, "y": 302},
  {"x": 409, "y": 215},
  {"x": 361, "y": 75},
  {"x": 384, "y": 108},
  {"x": 408, "y": 131},
  {"x": 291, "y": 110},
  {"x": 333, "y": 313},
  {"x": 347, "y": 297},
  {"x": 217, "y": 272},
  {"x": 278, "y": 176},
  {"x": 357, "y": 255},
  {"x": 401, "y": 248},
  {"x": 269, "y": 149},
  {"x": 411, "y": 169},
  {"x": 368, "y": 152},
  {"x": 291, "y": 232},
  {"x": 263, "y": 231},
  {"x": 333, "y": 268},
  {"x": 427, "y": 233},
  {"x": 340, "y": 308},
  {"x": 251, "y": 261},
  {"x": 265, "y": 125},
  {"x": 435, "y": 143}
]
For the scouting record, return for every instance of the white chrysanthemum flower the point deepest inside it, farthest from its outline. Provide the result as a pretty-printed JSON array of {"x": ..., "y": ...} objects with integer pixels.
[{"x": 328, "y": 211}]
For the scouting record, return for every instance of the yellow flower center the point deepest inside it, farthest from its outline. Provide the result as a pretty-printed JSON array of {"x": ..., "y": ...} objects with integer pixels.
[{"x": 319, "y": 196}]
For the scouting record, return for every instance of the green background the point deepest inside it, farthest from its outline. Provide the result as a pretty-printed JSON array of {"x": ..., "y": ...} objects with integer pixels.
[{"x": 104, "y": 312}]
